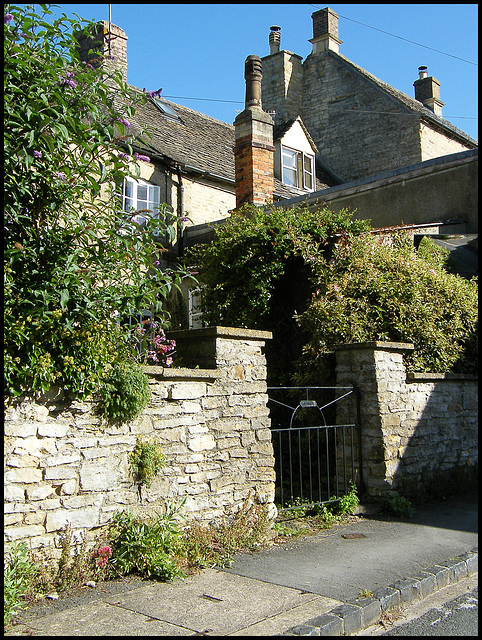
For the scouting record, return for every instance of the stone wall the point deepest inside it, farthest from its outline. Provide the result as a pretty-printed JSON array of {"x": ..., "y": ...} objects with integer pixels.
[
  {"x": 63, "y": 464},
  {"x": 416, "y": 429}
]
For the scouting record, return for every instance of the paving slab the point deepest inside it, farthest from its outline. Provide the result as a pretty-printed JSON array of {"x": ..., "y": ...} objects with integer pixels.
[
  {"x": 295, "y": 588},
  {"x": 214, "y": 600},
  {"x": 335, "y": 565}
]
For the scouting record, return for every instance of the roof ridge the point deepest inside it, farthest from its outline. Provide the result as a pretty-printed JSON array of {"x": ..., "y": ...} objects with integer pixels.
[{"x": 405, "y": 99}]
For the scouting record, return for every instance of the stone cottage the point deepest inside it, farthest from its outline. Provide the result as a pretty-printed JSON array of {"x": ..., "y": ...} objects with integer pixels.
[{"x": 317, "y": 131}]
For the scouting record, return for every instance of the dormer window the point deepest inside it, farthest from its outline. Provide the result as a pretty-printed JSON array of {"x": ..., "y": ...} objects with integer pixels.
[{"x": 298, "y": 169}]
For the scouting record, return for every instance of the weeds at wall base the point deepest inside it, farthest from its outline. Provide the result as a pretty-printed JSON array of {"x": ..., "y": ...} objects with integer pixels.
[{"x": 159, "y": 547}]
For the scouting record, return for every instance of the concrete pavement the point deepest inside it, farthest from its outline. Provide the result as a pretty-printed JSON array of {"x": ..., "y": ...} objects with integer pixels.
[{"x": 306, "y": 586}]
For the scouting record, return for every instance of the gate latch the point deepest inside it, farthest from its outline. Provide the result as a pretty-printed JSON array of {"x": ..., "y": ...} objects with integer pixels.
[{"x": 304, "y": 404}]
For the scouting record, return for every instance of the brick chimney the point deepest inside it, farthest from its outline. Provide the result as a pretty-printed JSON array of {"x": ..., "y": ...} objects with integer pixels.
[
  {"x": 427, "y": 91},
  {"x": 325, "y": 31},
  {"x": 109, "y": 41},
  {"x": 253, "y": 149}
]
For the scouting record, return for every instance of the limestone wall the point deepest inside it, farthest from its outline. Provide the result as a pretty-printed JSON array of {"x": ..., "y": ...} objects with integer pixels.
[
  {"x": 416, "y": 429},
  {"x": 63, "y": 464}
]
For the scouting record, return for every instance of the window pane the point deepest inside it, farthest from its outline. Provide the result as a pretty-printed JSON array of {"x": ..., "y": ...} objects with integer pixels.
[
  {"x": 128, "y": 188},
  {"x": 289, "y": 158},
  {"x": 308, "y": 173},
  {"x": 141, "y": 192},
  {"x": 289, "y": 177}
]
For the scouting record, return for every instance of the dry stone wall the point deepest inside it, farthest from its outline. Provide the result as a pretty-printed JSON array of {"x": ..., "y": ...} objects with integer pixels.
[
  {"x": 63, "y": 464},
  {"x": 416, "y": 429}
]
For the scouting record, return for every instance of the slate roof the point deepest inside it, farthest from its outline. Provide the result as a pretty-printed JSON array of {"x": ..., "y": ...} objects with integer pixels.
[
  {"x": 198, "y": 142},
  {"x": 194, "y": 139}
]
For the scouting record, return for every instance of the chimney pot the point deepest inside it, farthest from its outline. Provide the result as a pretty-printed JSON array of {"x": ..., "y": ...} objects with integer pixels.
[
  {"x": 422, "y": 72},
  {"x": 253, "y": 75},
  {"x": 274, "y": 39}
]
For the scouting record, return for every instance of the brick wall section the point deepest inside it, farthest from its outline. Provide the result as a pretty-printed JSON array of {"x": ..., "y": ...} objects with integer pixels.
[
  {"x": 414, "y": 428},
  {"x": 99, "y": 43},
  {"x": 63, "y": 464},
  {"x": 254, "y": 157}
]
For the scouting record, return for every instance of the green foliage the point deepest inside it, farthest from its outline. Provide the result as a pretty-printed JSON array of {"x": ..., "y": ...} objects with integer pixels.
[
  {"x": 397, "y": 505},
  {"x": 17, "y": 575},
  {"x": 347, "y": 503},
  {"x": 259, "y": 273},
  {"x": 318, "y": 278},
  {"x": 72, "y": 262},
  {"x": 204, "y": 546},
  {"x": 146, "y": 460},
  {"x": 146, "y": 547},
  {"x": 124, "y": 392},
  {"x": 373, "y": 290},
  {"x": 250, "y": 255},
  {"x": 433, "y": 253}
]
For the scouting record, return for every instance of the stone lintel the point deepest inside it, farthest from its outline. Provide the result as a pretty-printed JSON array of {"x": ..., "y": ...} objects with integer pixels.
[
  {"x": 376, "y": 345},
  {"x": 181, "y": 373},
  {"x": 220, "y": 332}
]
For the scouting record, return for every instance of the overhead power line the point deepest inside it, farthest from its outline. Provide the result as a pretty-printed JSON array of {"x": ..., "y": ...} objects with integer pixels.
[{"x": 393, "y": 35}]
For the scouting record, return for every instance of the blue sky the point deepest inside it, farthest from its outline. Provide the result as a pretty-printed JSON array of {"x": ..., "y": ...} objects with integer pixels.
[{"x": 198, "y": 50}]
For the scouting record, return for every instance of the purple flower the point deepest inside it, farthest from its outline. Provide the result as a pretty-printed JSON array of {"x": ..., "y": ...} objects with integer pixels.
[
  {"x": 153, "y": 94},
  {"x": 60, "y": 175},
  {"x": 156, "y": 263},
  {"x": 37, "y": 154},
  {"x": 88, "y": 65},
  {"x": 138, "y": 156},
  {"x": 124, "y": 121},
  {"x": 67, "y": 79},
  {"x": 7, "y": 19},
  {"x": 184, "y": 219},
  {"x": 123, "y": 155}
]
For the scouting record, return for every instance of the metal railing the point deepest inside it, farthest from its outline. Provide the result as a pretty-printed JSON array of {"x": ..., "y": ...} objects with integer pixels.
[{"x": 314, "y": 463}]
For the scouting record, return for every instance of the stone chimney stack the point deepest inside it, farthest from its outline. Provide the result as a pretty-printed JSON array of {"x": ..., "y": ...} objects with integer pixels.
[
  {"x": 325, "y": 31},
  {"x": 108, "y": 42},
  {"x": 427, "y": 91},
  {"x": 274, "y": 39},
  {"x": 253, "y": 149}
]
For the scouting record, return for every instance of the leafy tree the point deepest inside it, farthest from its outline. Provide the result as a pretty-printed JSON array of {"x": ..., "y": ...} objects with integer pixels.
[
  {"x": 376, "y": 289},
  {"x": 259, "y": 273},
  {"x": 71, "y": 264},
  {"x": 318, "y": 278}
]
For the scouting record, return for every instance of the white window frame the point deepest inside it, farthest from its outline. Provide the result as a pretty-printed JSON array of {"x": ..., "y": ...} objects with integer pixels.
[
  {"x": 134, "y": 198},
  {"x": 294, "y": 171},
  {"x": 195, "y": 314}
]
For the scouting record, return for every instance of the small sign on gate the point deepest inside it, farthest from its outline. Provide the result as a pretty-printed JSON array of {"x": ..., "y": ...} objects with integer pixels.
[{"x": 304, "y": 404}]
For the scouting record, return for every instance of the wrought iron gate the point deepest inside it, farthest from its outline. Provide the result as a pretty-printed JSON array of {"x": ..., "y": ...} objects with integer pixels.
[{"x": 316, "y": 442}]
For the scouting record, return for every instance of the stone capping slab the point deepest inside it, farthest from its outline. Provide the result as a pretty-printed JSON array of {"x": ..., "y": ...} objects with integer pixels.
[
  {"x": 220, "y": 332},
  {"x": 376, "y": 344},
  {"x": 426, "y": 377},
  {"x": 344, "y": 619},
  {"x": 181, "y": 373}
]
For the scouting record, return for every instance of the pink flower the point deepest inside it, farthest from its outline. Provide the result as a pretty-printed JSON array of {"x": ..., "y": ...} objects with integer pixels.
[{"x": 104, "y": 554}]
